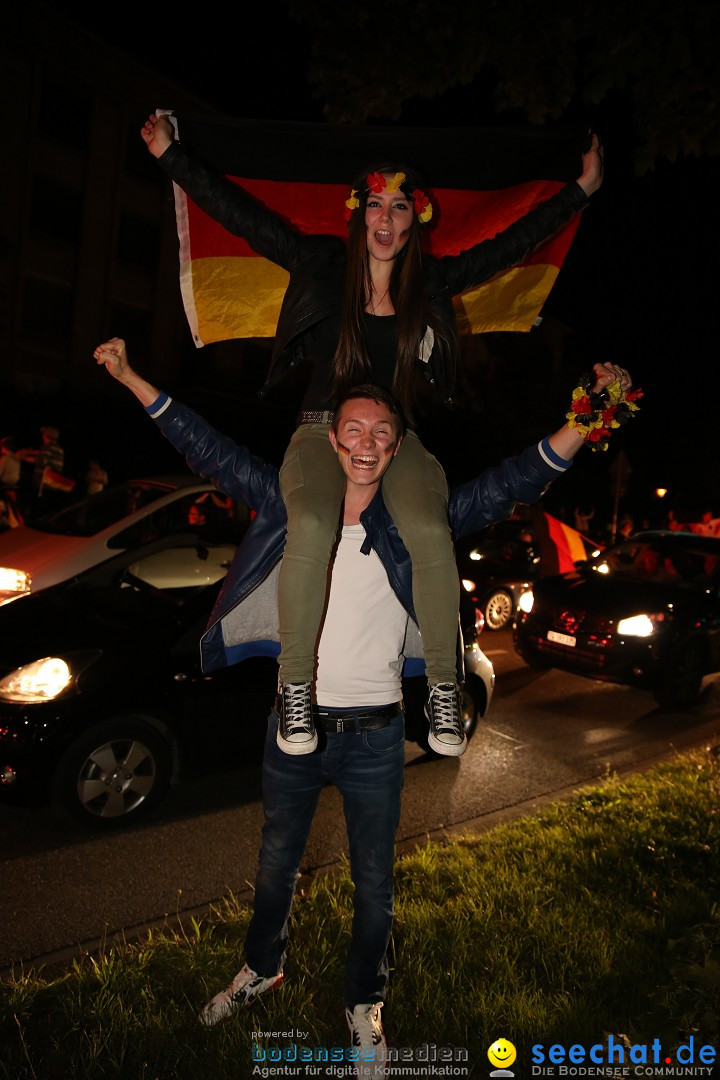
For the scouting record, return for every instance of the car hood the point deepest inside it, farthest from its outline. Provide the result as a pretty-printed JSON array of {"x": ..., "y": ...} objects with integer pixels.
[
  {"x": 71, "y": 617},
  {"x": 30, "y": 549}
]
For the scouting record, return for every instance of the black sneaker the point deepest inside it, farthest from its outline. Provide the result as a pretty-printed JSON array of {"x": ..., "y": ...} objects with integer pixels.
[
  {"x": 246, "y": 986},
  {"x": 366, "y": 1032},
  {"x": 447, "y": 735},
  {"x": 296, "y": 728}
]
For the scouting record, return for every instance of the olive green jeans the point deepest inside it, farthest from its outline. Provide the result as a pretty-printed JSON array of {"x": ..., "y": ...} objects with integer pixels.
[{"x": 415, "y": 492}]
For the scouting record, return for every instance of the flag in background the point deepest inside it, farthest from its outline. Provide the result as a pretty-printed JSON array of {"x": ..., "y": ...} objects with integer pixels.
[
  {"x": 480, "y": 179},
  {"x": 55, "y": 481},
  {"x": 561, "y": 546}
]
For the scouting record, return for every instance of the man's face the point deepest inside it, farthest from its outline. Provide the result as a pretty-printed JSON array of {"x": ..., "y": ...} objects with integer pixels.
[{"x": 366, "y": 440}]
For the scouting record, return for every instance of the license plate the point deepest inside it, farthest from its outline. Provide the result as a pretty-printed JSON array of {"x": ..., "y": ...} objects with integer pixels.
[{"x": 561, "y": 639}]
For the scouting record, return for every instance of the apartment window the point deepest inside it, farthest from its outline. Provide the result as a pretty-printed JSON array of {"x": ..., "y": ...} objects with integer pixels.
[
  {"x": 56, "y": 210},
  {"x": 65, "y": 109},
  {"x": 138, "y": 241},
  {"x": 133, "y": 325},
  {"x": 47, "y": 310}
]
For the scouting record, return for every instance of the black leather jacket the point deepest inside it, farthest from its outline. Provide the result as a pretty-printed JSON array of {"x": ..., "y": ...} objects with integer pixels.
[{"x": 316, "y": 264}]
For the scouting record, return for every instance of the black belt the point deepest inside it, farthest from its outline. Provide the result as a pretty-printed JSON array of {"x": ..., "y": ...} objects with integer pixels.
[
  {"x": 337, "y": 721},
  {"x": 316, "y": 416}
]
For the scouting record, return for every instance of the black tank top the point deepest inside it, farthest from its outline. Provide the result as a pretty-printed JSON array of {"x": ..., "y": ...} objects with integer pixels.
[{"x": 381, "y": 344}]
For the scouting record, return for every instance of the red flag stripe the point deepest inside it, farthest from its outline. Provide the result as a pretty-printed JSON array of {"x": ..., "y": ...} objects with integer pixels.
[{"x": 461, "y": 218}]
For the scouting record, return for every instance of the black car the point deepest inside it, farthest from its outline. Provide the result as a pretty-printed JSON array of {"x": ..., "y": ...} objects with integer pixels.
[
  {"x": 102, "y": 700},
  {"x": 645, "y": 613},
  {"x": 497, "y": 565}
]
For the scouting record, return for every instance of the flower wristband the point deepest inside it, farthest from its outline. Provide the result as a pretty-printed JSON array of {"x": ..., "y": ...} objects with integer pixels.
[{"x": 596, "y": 416}]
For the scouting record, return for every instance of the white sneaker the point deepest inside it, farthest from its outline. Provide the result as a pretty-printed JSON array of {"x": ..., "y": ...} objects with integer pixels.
[
  {"x": 296, "y": 732},
  {"x": 447, "y": 735},
  {"x": 367, "y": 1034},
  {"x": 246, "y": 985}
]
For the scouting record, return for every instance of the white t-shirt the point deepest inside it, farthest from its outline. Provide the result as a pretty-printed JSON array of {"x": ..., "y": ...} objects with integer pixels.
[{"x": 360, "y": 651}]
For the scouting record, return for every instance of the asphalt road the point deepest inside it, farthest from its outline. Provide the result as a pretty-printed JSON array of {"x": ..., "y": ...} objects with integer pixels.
[{"x": 65, "y": 891}]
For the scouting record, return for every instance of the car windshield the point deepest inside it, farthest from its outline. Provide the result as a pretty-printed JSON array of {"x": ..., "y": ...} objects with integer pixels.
[
  {"x": 650, "y": 560},
  {"x": 98, "y": 512},
  {"x": 507, "y": 542}
]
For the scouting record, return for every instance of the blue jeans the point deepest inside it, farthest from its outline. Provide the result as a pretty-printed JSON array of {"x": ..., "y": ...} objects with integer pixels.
[{"x": 367, "y": 767}]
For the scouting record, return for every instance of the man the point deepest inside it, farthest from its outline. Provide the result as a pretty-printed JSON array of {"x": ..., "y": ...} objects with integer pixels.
[
  {"x": 48, "y": 456},
  {"x": 707, "y": 525},
  {"x": 358, "y": 686},
  {"x": 9, "y": 465},
  {"x": 10, "y": 515}
]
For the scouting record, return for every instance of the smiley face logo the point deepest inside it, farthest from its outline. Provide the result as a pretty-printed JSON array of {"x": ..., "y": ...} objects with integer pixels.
[{"x": 502, "y": 1053}]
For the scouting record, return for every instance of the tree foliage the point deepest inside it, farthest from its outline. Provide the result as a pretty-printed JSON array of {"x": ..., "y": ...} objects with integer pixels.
[{"x": 658, "y": 62}]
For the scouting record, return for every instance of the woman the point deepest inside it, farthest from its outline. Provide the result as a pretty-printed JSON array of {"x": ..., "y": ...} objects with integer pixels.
[{"x": 373, "y": 310}]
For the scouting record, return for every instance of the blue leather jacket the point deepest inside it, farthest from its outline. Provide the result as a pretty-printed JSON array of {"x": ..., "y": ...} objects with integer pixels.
[{"x": 243, "y": 622}]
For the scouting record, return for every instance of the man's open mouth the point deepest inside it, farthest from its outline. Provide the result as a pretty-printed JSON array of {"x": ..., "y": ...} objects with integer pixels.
[{"x": 365, "y": 461}]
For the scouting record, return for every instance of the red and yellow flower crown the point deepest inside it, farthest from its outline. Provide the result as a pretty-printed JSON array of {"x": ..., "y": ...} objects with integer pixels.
[{"x": 377, "y": 182}]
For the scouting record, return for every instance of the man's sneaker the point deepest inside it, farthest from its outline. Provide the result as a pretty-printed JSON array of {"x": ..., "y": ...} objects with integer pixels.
[
  {"x": 296, "y": 728},
  {"x": 246, "y": 985},
  {"x": 447, "y": 735},
  {"x": 366, "y": 1033}
]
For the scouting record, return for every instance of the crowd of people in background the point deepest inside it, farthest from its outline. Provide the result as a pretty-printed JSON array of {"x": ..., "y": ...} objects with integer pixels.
[
  {"x": 35, "y": 481},
  {"x": 608, "y": 528}
]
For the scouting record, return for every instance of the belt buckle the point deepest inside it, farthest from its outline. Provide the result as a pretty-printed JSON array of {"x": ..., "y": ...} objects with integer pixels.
[{"x": 340, "y": 725}]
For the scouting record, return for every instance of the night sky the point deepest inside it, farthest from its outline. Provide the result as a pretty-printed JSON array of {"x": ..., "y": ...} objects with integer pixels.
[{"x": 639, "y": 286}]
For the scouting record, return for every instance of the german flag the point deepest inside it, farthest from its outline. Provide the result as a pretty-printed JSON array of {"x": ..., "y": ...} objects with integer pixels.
[
  {"x": 55, "y": 481},
  {"x": 480, "y": 180},
  {"x": 561, "y": 546}
]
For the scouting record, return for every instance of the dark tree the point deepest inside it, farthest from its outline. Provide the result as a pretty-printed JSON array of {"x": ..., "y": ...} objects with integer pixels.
[{"x": 539, "y": 61}]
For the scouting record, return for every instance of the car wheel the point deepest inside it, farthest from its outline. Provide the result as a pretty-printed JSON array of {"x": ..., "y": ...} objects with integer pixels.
[
  {"x": 469, "y": 711},
  {"x": 114, "y": 774},
  {"x": 679, "y": 685},
  {"x": 499, "y": 610}
]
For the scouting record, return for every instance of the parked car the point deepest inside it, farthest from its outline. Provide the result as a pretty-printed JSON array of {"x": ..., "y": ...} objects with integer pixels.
[
  {"x": 102, "y": 700},
  {"x": 645, "y": 613},
  {"x": 57, "y": 546},
  {"x": 497, "y": 566}
]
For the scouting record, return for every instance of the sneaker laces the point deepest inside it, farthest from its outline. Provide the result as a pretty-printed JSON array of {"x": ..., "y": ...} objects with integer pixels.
[
  {"x": 444, "y": 710},
  {"x": 297, "y": 708},
  {"x": 246, "y": 986},
  {"x": 366, "y": 1028}
]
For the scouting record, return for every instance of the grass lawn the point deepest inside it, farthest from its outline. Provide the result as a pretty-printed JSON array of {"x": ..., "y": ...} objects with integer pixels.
[{"x": 597, "y": 920}]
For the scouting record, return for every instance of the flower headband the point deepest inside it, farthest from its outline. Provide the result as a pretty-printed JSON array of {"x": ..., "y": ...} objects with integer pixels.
[{"x": 378, "y": 182}]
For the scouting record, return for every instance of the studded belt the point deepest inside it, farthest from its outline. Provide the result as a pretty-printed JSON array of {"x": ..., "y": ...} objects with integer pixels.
[
  {"x": 316, "y": 416},
  {"x": 339, "y": 721}
]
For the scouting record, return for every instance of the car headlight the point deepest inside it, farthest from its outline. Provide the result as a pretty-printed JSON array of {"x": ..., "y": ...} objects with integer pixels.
[
  {"x": 638, "y": 625},
  {"x": 13, "y": 583},
  {"x": 44, "y": 680},
  {"x": 526, "y": 601},
  {"x": 468, "y": 585}
]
